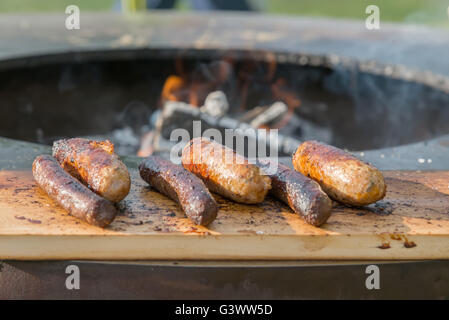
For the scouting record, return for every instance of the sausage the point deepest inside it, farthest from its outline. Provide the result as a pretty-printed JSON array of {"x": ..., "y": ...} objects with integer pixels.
[
  {"x": 96, "y": 165},
  {"x": 303, "y": 195},
  {"x": 225, "y": 172},
  {"x": 71, "y": 194},
  {"x": 342, "y": 176},
  {"x": 181, "y": 186}
]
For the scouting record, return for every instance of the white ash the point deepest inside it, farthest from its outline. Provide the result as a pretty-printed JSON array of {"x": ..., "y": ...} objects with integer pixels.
[
  {"x": 216, "y": 104},
  {"x": 176, "y": 115}
]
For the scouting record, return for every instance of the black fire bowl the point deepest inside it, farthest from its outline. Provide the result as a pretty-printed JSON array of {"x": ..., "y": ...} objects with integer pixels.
[{"x": 37, "y": 50}]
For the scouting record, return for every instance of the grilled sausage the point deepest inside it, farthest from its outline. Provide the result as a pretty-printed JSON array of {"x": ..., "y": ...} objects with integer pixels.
[
  {"x": 96, "y": 165},
  {"x": 303, "y": 195},
  {"x": 181, "y": 186},
  {"x": 341, "y": 175},
  {"x": 225, "y": 172},
  {"x": 70, "y": 194}
]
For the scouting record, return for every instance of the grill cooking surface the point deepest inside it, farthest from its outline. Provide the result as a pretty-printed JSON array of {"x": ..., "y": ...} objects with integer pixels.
[{"x": 411, "y": 222}]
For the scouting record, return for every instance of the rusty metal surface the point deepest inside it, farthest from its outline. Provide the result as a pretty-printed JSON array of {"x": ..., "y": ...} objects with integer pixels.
[{"x": 217, "y": 280}]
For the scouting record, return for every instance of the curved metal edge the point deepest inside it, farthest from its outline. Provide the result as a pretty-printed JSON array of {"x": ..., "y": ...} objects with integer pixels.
[{"x": 330, "y": 61}]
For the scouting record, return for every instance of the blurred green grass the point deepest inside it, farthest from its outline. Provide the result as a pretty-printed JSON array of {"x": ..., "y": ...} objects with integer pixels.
[
  {"x": 432, "y": 12},
  {"x": 424, "y": 11}
]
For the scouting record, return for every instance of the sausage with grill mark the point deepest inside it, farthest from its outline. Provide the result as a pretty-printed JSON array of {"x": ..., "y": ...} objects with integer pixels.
[
  {"x": 71, "y": 194},
  {"x": 225, "y": 172},
  {"x": 96, "y": 165},
  {"x": 342, "y": 176},
  {"x": 181, "y": 186},
  {"x": 303, "y": 195}
]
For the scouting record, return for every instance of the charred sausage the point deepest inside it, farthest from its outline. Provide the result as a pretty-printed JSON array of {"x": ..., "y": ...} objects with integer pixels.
[
  {"x": 225, "y": 172},
  {"x": 70, "y": 194},
  {"x": 303, "y": 195},
  {"x": 342, "y": 176},
  {"x": 181, "y": 186},
  {"x": 96, "y": 165}
]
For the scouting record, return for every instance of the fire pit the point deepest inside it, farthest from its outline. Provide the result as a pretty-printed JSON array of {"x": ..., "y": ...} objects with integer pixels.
[{"x": 110, "y": 84}]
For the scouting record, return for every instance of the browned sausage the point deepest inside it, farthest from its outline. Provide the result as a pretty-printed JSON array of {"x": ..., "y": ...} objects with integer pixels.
[
  {"x": 303, "y": 195},
  {"x": 181, "y": 186},
  {"x": 341, "y": 175},
  {"x": 70, "y": 194},
  {"x": 96, "y": 165},
  {"x": 225, "y": 172}
]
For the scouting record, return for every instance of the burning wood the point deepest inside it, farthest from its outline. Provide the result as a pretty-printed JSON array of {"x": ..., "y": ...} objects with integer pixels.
[
  {"x": 176, "y": 115},
  {"x": 184, "y": 93}
]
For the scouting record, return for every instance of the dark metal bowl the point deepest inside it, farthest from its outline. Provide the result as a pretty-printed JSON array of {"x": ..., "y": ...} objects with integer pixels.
[{"x": 363, "y": 106}]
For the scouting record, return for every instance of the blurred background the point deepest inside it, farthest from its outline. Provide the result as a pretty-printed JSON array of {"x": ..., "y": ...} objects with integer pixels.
[{"x": 429, "y": 12}]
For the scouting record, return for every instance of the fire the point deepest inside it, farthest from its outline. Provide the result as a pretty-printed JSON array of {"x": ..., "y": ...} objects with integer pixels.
[
  {"x": 192, "y": 86},
  {"x": 178, "y": 89},
  {"x": 245, "y": 83},
  {"x": 172, "y": 86}
]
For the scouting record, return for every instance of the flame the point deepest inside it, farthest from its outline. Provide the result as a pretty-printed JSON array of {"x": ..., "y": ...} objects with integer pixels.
[
  {"x": 193, "y": 95},
  {"x": 172, "y": 85},
  {"x": 271, "y": 66},
  {"x": 281, "y": 91},
  {"x": 146, "y": 145}
]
